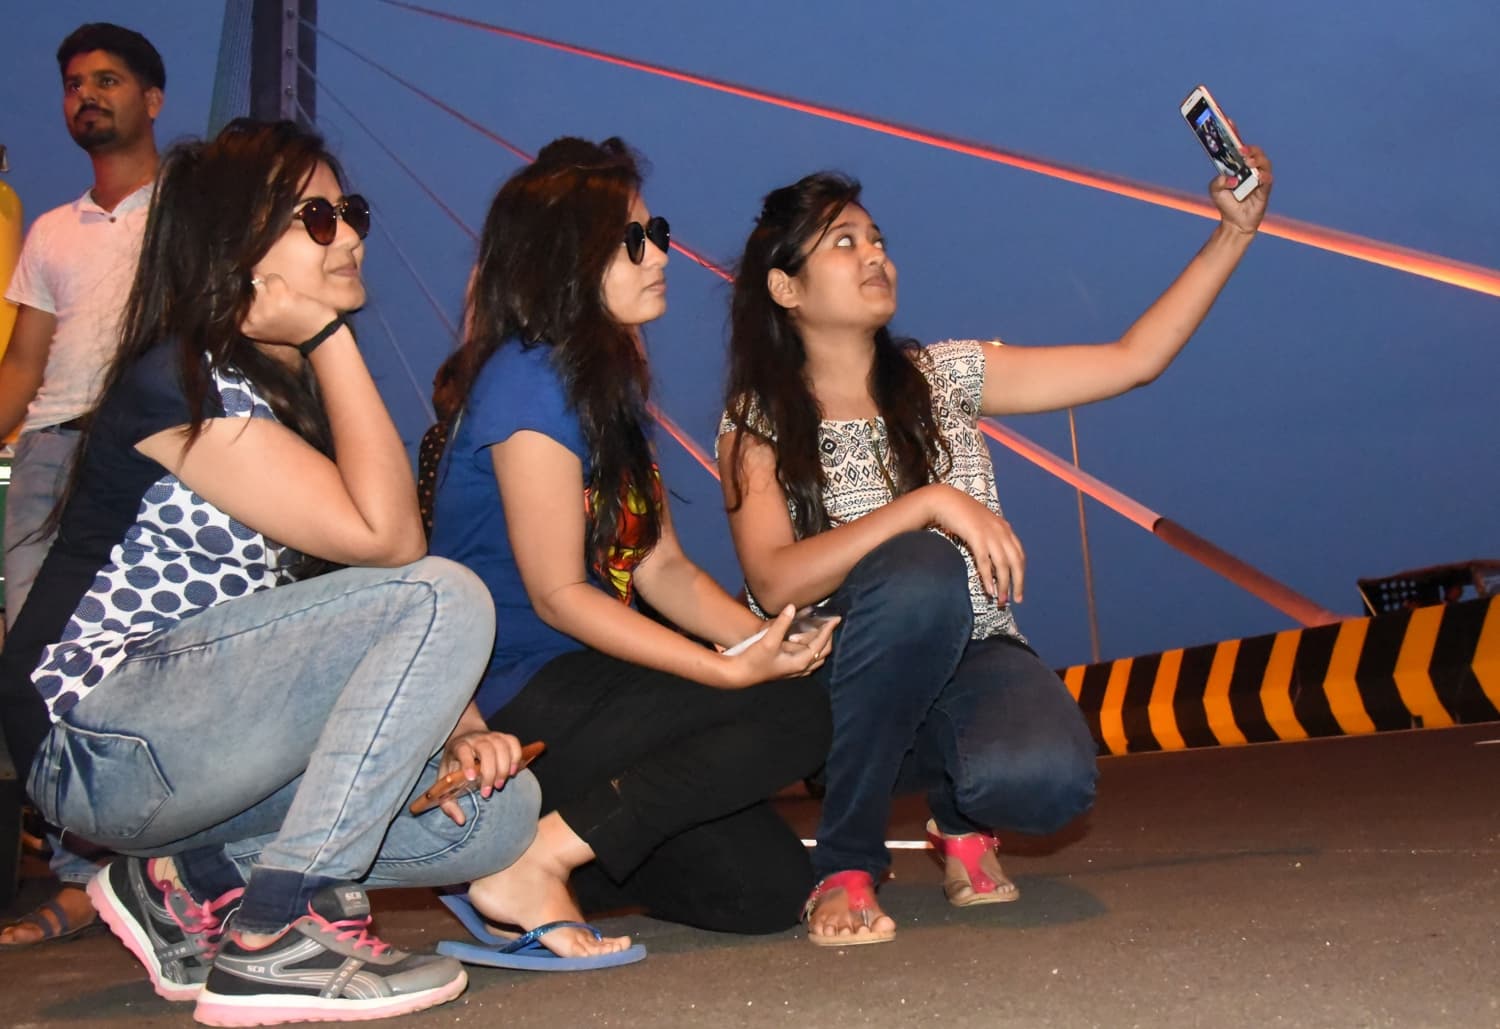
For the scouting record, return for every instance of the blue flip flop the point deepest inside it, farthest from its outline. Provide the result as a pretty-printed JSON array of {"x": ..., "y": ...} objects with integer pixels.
[{"x": 526, "y": 951}]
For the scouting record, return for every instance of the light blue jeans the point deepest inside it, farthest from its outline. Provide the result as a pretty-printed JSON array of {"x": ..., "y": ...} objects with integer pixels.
[
  {"x": 292, "y": 727},
  {"x": 38, "y": 474}
]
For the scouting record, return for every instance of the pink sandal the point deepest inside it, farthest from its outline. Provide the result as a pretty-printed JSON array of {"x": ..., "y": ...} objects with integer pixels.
[
  {"x": 964, "y": 879},
  {"x": 859, "y": 888}
]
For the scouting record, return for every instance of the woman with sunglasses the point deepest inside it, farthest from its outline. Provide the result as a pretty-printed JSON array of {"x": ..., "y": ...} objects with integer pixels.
[
  {"x": 237, "y": 667},
  {"x": 661, "y": 750},
  {"x": 840, "y": 446}
]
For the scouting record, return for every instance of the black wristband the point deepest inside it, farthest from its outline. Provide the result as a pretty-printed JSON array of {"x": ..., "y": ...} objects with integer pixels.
[{"x": 308, "y": 346}]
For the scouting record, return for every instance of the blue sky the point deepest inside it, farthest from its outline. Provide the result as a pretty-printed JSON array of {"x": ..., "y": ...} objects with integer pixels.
[{"x": 1331, "y": 420}]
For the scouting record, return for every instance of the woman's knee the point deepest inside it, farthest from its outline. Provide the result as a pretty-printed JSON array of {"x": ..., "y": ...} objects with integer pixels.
[
  {"x": 463, "y": 613},
  {"x": 914, "y": 582},
  {"x": 432, "y": 850},
  {"x": 759, "y": 889},
  {"x": 453, "y": 584},
  {"x": 1037, "y": 790}
]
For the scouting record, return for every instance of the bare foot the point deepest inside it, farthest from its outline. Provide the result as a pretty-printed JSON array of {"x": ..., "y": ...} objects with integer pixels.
[
  {"x": 989, "y": 864},
  {"x": 534, "y": 891},
  {"x": 164, "y": 870},
  {"x": 833, "y": 918},
  {"x": 971, "y": 868},
  {"x": 43, "y": 923}
]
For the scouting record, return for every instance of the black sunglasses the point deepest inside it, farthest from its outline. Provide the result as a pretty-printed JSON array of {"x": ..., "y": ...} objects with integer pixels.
[
  {"x": 320, "y": 217},
  {"x": 656, "y": 230}
]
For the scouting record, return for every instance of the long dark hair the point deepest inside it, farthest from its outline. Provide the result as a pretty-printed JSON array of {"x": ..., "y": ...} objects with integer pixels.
[
  {"x": 550, "y": 235},
  {"x": 218, "y": 209},
  {"x": 768, "y": 396}
]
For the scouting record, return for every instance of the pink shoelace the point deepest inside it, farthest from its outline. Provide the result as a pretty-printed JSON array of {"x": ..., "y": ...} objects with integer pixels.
[
  {"x": 194, "y": 916},
  {"x": 356, "y": 930}
]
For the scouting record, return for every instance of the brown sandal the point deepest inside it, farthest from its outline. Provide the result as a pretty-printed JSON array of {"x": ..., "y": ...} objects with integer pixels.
[{"x": 52, "y": 919}]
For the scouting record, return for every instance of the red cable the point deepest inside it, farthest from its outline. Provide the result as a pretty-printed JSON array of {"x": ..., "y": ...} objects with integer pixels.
[{"x": 1362, "y": 248}]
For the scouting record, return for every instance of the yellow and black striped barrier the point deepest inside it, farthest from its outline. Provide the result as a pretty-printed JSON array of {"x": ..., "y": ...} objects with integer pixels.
[{"x": 1430, "y": 666}]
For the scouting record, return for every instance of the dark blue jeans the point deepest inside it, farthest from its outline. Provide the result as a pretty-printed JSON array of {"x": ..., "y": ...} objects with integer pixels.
[{"x": 983, "y": 726}]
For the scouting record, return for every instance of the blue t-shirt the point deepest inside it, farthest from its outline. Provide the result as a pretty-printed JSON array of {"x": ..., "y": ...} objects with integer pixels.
[{"x": 517, "y": 390}]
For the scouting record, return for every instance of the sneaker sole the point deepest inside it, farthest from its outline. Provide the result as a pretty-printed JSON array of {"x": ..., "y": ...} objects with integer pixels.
[
  {"x": 130, "y": 932},
  {"x": 274, "y": 1009}
]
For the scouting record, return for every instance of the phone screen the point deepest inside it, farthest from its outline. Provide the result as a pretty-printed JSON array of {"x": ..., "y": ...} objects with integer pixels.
[
  {"x": 809, "y": 619},
  {"x": 1218, "y": 141}
]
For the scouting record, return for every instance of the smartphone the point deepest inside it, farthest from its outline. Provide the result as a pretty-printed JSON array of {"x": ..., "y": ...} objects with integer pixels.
[
  {"x": 456, "y": 783},
  {"x": 807, "y": 619},
  {"x": 1208, "y": 123}
]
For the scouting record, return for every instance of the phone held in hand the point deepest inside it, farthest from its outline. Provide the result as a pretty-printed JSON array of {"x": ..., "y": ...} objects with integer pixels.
[
  {"x": 1207, "y": 120},
  {"x": 809, "y": 619},
  {"x": 457, "y": 782},
  {"x": 806, "y": 620}
]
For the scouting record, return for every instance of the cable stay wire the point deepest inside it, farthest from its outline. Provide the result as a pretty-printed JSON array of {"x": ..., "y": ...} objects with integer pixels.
[
  {"x": 483, "y": 130},
  {"x": 434, "y": 101},
  {"x": 685, "y": 441},
  {"x": 432, "y": 300},
  {"x": 422, "y": 185},
  {"x": 1237, "y": 571},
  {"x": 411, "y": 267},
  {"x": 396, "y": 346},
  {"x": 1361, "y": 248},
  {"x": 1244, "y": 575},
  {"x": 370, "y": 302}
]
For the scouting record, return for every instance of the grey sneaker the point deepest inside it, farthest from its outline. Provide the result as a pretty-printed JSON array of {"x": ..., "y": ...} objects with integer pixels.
[
  {"x": 169, "y": 932},
  {"x": 324, "y": 967}
]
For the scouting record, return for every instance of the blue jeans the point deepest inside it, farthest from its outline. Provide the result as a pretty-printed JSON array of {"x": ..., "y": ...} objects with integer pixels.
[
  {"x": 983, "y": 726},
  {"x": 69, "y": 866},
  {"x": 38, "y": 475},
  {"x": 287, "y": 731}
]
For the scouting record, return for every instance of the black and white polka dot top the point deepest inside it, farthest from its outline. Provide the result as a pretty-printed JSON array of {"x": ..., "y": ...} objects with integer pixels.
[{"x": 138, "y": 551}]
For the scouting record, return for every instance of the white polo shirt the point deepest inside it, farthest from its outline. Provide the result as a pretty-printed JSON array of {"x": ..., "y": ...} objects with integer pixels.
[{"x": 78, "y": 263}]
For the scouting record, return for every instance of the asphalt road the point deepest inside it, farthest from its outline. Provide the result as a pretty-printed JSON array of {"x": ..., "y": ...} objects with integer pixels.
[{"x": 1340, "y": 883}]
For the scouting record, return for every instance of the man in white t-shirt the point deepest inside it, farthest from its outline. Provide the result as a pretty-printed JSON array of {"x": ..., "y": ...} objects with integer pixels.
[
  {"x": 72, "y": 282},
  {"x": 73, "y": 278}
]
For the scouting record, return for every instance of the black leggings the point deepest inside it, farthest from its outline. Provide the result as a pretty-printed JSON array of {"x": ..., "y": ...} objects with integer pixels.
[{"x": 667, "y": 781}]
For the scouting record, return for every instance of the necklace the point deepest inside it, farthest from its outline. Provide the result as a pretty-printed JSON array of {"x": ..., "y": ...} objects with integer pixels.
[{"x": 885, "y": 472}]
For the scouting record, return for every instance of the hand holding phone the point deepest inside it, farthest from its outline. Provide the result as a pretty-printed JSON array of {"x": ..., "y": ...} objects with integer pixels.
[
  {"x": 1222, "y": 144},
  {"x": 807, "y": 620},
  {"x": 457, "y": 782}
]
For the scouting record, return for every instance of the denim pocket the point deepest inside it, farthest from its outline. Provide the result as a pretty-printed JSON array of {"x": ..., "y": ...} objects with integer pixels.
[{"x": 106, "y": 787}]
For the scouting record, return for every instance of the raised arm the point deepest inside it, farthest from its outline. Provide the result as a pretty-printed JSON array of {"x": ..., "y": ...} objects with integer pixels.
[
  {"x": 1024, "y": 380},
  {"x": 541, "y": 483},
  {"x": 359, "y": 508}
]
